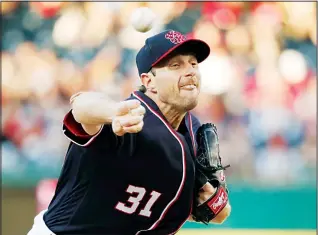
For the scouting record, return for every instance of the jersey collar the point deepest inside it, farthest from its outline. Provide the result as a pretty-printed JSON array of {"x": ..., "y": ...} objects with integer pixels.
[
  {"x": 155, "y": 107},
  {"x": 147, "y": 100}
]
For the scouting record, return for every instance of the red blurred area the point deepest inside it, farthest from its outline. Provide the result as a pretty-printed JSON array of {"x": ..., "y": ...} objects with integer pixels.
[
  {"x": 253, "y": 94},
  {"x": 223, "y": 14},
  {"x": 47, "y": 9},
  {"x": 44, "y": 193}
]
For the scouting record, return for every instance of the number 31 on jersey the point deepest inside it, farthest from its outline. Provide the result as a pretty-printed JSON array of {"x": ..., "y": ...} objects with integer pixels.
[{"x": 136, "y": 199}]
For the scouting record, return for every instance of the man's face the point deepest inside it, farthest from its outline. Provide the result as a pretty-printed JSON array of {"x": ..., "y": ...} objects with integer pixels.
[{"x": 177, "y": 81}]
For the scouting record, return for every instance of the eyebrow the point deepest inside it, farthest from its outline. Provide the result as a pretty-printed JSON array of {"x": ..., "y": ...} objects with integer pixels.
[
  {"x": 171, "y": 58},
  {"x": 177, "y": 58}
]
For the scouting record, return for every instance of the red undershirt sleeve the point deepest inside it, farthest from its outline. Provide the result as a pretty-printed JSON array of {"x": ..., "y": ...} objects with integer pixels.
[{"x": 75, "y": 132}]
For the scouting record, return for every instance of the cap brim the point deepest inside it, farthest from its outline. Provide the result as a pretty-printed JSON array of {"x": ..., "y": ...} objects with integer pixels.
[{"x": 199, "y": 48}]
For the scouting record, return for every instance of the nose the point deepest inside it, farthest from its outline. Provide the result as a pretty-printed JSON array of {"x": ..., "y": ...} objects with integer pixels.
[{"x": 190, "y": 71}]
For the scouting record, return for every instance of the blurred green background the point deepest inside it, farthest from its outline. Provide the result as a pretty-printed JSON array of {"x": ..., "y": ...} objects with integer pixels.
[{"x": 259, "y": 88}]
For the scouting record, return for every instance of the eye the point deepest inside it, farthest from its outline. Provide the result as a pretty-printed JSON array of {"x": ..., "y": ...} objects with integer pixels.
[
  {"x": 175, "y": 65},
  {"x": 194, "y": 64}
]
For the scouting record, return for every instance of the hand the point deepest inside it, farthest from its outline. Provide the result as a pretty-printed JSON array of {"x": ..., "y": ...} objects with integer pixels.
[
  {"x": 129, "y": 117},
  {"x": 206, "y": 192}
]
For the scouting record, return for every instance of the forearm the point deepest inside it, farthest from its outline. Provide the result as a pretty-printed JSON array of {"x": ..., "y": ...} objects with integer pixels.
[{"x": 92, "y": 110}]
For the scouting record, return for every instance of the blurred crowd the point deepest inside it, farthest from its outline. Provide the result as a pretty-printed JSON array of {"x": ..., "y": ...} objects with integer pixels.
[{"x": 259, "y": 83}]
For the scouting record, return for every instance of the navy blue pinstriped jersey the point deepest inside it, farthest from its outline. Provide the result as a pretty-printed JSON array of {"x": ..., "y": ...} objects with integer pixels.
[{"x": 135, "y": 184}]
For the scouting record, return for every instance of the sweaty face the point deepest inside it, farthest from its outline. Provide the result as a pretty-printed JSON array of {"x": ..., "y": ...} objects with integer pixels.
[{"x": 177, "y": 81}]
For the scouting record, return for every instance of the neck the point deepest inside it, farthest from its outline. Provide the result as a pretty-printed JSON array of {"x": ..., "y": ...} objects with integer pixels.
[{"x": 173, "y": 115}]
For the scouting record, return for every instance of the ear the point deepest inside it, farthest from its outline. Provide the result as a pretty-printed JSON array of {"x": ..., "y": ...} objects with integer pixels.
[
  {"x": 148, "y": 81},
  {"x": 145, "y": 79}
]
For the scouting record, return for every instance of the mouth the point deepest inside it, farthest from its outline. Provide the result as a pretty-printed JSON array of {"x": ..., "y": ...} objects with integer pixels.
[{"x": 188, "y": 87}]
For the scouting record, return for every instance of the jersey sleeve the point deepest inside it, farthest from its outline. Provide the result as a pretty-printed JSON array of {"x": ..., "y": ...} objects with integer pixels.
[{"x": 76, "y": 134}]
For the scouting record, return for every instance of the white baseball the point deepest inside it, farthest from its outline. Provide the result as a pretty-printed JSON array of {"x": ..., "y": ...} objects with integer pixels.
[{"x": 142, "y": 19}]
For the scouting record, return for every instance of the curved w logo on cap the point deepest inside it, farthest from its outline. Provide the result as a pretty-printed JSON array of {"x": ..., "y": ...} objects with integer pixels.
[{"x": 175, "y": 37}]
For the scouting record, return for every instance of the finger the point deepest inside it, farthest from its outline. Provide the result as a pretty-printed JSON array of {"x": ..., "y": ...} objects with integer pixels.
[
  {"x": 135, "y": 128},
  {"x": 128, "y": 121},
  {"x": 208, "y": 188},
  {"x": 127, "y": 105},
  {"x": 74, "y": 96},
  {"x": 138, "y": 111},
  {"x": 117, "y": 128},
  {"x": 204, "y": 196}
]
